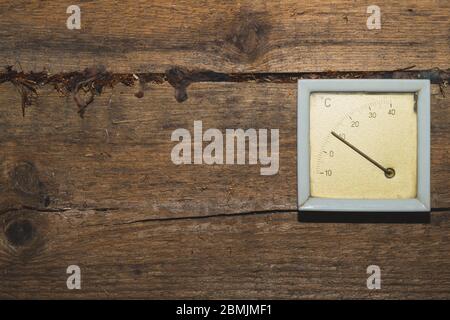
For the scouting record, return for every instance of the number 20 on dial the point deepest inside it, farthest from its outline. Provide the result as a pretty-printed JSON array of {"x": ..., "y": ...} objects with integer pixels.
[{"x": 363, "y": 145}]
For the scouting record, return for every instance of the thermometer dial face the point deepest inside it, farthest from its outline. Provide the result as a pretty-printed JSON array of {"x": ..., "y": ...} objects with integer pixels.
[{"x": 363, "y": 145}]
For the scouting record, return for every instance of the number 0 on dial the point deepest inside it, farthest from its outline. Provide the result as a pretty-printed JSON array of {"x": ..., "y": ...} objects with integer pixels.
[{"x": 363, "y": 145}]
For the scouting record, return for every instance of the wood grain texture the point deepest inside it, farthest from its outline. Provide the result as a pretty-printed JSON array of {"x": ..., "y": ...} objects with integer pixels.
[
  {"x": 259, "y": 256},
  {"x": 118, "y": 156},
  {"x": 228, "y": 36},
  {"x": 140, "y": 227},
  {"x": 101, "y": 192}
]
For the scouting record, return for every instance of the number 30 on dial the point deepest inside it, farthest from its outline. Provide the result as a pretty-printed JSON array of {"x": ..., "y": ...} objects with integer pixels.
[{"x": 364, "y": 145}]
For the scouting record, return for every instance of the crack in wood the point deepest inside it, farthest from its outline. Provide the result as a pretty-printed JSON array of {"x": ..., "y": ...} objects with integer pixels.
[
  {"x": 85, "y": 85},
  {"x": 336, "y": 217},
  {"x": 55, "y": 210},
  {"x": 302, "y": 216},
  {"x": 209, "y": 216}
]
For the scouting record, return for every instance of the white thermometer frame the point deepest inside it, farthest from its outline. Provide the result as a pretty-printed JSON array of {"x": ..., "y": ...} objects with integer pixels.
[{"x": 308, "y": 203}]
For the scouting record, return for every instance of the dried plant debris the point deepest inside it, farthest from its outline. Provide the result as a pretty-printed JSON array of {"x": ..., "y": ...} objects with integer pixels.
[
  {"x": 82, "y": 86},
  {"x": 442, "y": 86},
  {"x": 180, "y": 78},
  {"x": 86, "y": 85},
  {"x": 25, "y": 84}
]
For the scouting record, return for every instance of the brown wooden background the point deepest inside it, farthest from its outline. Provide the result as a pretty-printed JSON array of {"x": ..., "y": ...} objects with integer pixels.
[{"x": 101, "y": 191}]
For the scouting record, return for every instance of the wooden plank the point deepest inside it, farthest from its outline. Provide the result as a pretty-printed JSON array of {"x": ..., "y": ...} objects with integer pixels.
[
  {"x": 118, "y": 156},
  {"x": 259, "y": 256},
  {"x": 230, "y": 36},
  {"x": 101, "y": 192}
]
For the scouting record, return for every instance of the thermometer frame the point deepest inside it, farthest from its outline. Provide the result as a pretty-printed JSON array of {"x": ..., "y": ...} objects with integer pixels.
[{"x": 422, "y": 89}]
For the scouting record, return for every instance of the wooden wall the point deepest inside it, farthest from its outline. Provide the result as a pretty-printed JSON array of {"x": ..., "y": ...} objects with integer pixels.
[{"x": 101, "y": 191}]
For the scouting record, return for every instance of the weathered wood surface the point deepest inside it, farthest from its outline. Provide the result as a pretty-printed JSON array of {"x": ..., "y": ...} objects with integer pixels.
[
  {"x": 228, "y": 36},
  {"x": 259, "y": 256},
  {"x": 101, "y": 192},
  {"x": 118, "y": 156},
  {"x": 113, "y": 203}
]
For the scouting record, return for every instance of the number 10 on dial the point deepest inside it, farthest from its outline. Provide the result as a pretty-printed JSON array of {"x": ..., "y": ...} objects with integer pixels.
[{"x": 363, "y": 145}]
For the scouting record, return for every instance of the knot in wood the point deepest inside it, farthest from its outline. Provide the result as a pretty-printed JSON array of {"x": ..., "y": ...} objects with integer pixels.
[
  {"x": 20, "y": 232},
  {"x": 25, "y": 178},
  {"x": 249, "y": 35}
]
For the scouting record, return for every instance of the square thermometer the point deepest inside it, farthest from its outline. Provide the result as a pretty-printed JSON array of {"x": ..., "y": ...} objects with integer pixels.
[{"x": 364, "y": 145}]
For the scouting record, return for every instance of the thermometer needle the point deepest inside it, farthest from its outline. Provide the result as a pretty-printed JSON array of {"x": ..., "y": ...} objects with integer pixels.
[{"x": 388, "y": 172}]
